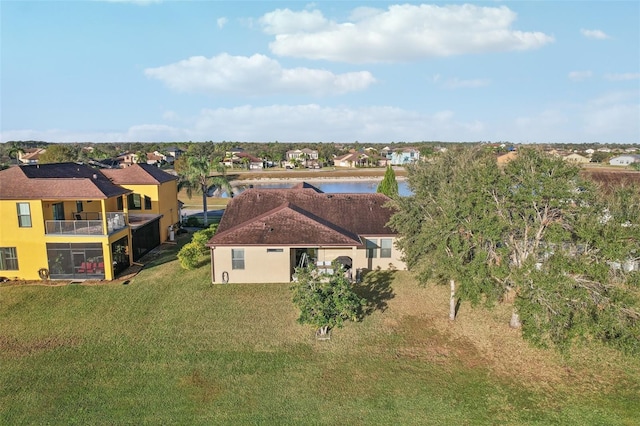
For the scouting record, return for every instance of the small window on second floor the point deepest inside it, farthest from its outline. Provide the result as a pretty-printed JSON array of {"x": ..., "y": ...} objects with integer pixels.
[
  {"x": 24, "y": 215},
  {"x": 147, "y": 203},
  {"x": 119, "y": 204},
  {"x": 134, "y": 202},
  {"x": 79, "y": 207}
]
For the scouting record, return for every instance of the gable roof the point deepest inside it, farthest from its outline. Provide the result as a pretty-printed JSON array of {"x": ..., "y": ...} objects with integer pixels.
[
  {"x": 61, "y": 181},
  {"x": 139, "y": 174},
  {"x": 302, "y": 228},
  {"x": 302, "y": 215}
]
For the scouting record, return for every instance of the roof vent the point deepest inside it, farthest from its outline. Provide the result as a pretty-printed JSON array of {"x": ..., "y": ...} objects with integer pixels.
[{"x": 95, "y": 176}]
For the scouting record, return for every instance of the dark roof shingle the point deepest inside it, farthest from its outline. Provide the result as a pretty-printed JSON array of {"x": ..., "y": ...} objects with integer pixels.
[
  {"x": 56, "y": 181},
  {"x": 302, "y": 215},
  {"x": 139, "y": 174}
]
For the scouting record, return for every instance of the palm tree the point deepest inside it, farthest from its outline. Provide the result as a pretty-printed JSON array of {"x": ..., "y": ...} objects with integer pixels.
[
  {"x": 197, "y": 176},
  {"x": 14, "y": 152},
  {"x": 141, "y": 157}
]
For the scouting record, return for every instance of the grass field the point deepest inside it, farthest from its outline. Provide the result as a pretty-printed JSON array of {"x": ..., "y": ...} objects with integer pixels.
[{"x": 167, "y": 347}]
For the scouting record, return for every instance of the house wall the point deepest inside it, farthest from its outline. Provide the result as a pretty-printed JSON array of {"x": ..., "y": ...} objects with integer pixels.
[
  {"x": 623, "y": 160},
  {"x": 363, "y": 262},
  {"x": 164, "y": 201},
  {"x": 29, "y": 242},
  {"x": 260, "y": 266}
]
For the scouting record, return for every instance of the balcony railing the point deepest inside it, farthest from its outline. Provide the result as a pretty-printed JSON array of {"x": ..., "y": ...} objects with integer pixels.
[{"x": 115, "y": 221}]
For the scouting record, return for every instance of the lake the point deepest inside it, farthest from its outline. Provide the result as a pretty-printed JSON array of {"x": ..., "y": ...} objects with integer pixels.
[{"x": 358, "y": 187}]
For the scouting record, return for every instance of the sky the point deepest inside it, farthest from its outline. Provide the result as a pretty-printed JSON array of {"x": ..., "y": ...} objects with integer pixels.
[{"x": 324, "y": 71}]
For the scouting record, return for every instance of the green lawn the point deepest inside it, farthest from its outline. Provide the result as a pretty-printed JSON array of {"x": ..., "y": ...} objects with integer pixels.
[{"x": 170, "y": 348}]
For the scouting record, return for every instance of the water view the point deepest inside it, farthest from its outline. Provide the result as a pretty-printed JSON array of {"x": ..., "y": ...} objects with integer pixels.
[{"x": 358, "y": 187}]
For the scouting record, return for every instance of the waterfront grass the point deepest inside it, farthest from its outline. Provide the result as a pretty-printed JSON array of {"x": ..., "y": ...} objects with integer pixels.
[{"x": 170, "y": 348}]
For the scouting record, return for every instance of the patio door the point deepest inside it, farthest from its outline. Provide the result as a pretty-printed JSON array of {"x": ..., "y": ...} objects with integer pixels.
[{"x": 58, "y": 211}]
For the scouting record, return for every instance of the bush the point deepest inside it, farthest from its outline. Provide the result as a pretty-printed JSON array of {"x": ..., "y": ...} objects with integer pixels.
[
  {"x": 192, "y": 222},
  {"x": 200, "y": 238},
  {"x": 189, "y": 255}
]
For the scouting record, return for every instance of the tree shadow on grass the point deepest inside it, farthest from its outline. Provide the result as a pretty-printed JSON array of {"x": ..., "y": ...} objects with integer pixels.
[{"x": 375, "y": 288}]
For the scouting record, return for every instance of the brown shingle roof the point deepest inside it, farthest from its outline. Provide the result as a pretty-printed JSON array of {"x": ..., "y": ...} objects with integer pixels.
[
  {"x": 139, "y": 174},
  {"x": 56, "y": 181},
  {"x": 301, "y": 215}
]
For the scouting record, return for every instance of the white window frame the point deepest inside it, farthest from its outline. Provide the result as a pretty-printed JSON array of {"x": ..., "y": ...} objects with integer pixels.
[{"x": 237, "y": 259}]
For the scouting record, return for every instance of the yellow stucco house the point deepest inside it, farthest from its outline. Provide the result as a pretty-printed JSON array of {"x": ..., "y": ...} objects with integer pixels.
[
  {"x": 71, "y": 221},
  {"x": 265, "y": 234}
]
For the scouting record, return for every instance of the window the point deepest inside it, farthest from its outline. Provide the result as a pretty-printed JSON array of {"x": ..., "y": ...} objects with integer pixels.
[
  {"x": 385, "y": 247},
  {"x": 119, "y": 204},
  {"x": 237, "y": 258},
  {"x": 372, "y": 249},
  {"x": 8, "y": 259},
  {"x": 24, "y": 215},
  {"x": 58, "y": 211},
  {"x": 134, "y": 202},
  {"x": 79, "y": 208},
  {"x": 147, "y": 203}
]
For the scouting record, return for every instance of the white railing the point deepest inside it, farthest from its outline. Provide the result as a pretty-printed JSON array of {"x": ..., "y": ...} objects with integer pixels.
[
  {"x": 74, "y": 227},
  {"x": 115, "y": 221}
]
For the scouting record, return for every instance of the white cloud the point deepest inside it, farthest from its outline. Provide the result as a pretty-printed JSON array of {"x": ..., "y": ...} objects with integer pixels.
[
  {"x": 456, "y": 83},
  {"x": 222, "y": 22},
  {"x": 254, "y": 76},
  {"x": 285, "y": 21},
  {"x": 285, "y": 123},
  {"x": 580, "y": 75},
  {"x": 594, "y": 34},
  {"x": 613, "y": 113},
  {"x": 622, "y": 77},
  {"x": 399, "y": 33}
]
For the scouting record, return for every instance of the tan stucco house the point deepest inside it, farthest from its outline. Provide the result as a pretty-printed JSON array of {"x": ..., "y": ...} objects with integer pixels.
[{"x": 265, "y": 234}]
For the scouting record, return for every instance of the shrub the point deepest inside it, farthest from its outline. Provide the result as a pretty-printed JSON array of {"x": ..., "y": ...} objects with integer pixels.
[
  {"x": 189, "y": 255},
  {"x": 192, "y": 222},
  {"x": 200, "y": 238}
]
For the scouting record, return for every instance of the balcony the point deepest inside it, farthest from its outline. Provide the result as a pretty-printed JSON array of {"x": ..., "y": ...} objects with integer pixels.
[{"x": 115, "y": 222}]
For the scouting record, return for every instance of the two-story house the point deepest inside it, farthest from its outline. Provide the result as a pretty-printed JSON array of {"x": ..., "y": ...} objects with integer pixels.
[
  {"x": 400, "y": 157},
  {"x": 307, "y": 157},
  {"x": 71, "y": 221}
]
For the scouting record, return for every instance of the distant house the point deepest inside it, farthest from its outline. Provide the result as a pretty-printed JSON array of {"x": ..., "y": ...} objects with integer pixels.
[
  {"x": 31, "y": 155},
  {"x": 352, "y": 159},
  {"x": 505, "y": 158},
  {"x": 240, "y": 159},
  {"x": 174, "y": 152},
  {"x": 127, "y": 159},
  {"x": 306, "y": 157},
  {"x": 155, "y": 158},
  {"x": 265, "y": 234},
  {"x": 400, "y": 157},
  {"x": 624, "y": 160},
  {"x": 576, "y": 158}
]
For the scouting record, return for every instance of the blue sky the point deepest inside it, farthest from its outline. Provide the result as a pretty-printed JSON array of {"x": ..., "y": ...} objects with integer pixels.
[{"x": 327, "y": 71}]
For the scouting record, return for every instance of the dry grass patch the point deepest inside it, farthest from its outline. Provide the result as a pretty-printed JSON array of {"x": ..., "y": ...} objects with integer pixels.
[{"x": 482, "y": 338}]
